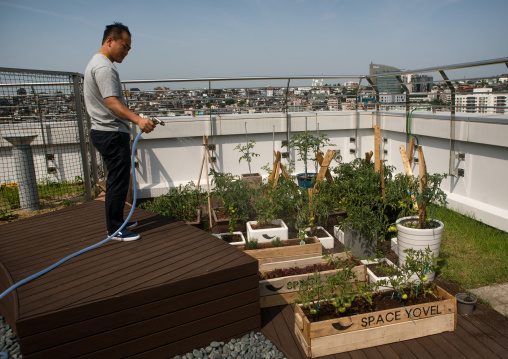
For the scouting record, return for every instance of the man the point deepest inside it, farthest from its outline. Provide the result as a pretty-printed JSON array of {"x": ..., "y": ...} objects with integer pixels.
[{"x": 110, "y": 124}]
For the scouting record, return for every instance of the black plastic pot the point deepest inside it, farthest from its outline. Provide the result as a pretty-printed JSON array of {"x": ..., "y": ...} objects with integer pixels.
[
  {"x": 465, "y": 303},
  {"x": 306, "y": 181}
]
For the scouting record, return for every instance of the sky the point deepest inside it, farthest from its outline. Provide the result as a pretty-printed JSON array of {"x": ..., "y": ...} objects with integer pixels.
[{"x": 238, "y": 38}]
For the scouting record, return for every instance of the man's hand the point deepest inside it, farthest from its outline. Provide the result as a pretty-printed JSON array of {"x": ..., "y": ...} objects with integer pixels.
[{"x": 145, "y": 124}]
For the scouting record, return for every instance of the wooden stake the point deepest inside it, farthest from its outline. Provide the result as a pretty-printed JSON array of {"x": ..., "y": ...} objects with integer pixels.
[
  {"x": 208, "y": 191},
  {"x": 409, "y": 172},
  {"x": 323, "y": 170},
  {"x": 377, "y": 148},
  {"x": 320, "y": 159},
  {"x": 411, "y": 150},
  {"x": 368, "y": 156}
]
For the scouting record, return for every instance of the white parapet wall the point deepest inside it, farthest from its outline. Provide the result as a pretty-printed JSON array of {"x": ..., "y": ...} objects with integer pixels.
[{"x": 172, "y": 155}]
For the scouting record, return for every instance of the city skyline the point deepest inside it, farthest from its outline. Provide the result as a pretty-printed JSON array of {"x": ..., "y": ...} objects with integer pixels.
[{"x": 224, "y": 38}]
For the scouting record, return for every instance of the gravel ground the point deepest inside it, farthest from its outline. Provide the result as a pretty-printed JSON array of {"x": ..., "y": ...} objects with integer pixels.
[
  {"x": 8, "y": 342},
  {"x": 250, "y": 346}
]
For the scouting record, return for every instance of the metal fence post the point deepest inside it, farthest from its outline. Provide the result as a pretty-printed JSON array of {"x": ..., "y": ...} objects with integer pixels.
[{"x": 82, "y": 138}]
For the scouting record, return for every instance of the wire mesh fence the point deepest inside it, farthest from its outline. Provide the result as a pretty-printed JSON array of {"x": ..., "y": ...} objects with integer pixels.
[{"x": 44, "y": 146}]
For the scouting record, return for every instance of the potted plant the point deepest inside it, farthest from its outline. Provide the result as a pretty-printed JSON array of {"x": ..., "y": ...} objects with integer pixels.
[
  {"x": 182, "y": 202},
  {"x": 280, "y": 281},
  {"x": 307, "y": 144},
  {"x": 362, "y": 199},
  {"x": 465, "y": 302},
  {"x": 235, "y": 195},
  {"x": 266, "y": 206},
  {"x": 312, "y": 217},
  {"x": 419, "y": 232},
  {"x": 246, "y": 154},
  {"x": 331, "y": 317}
]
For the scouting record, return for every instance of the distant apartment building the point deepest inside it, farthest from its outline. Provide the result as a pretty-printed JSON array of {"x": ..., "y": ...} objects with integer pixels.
[
  {"x": 334, "y": 104},
  {"x": 385, "y": 84},
  {"x": 420, "y": 83},
  {"x": 481, "y": 100},
  {"x": 351, "y": 85}
]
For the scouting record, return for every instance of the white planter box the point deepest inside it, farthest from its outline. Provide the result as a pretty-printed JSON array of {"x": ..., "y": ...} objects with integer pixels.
[
  {"x": 374, "y": 278},
  {"x": 327, "y": 241},
  {"x": 394, "y": 245},
  {"x": 267, "y": 234},
  {"x": 241, "y": 243},
  {"x": 338, "y": 233}
]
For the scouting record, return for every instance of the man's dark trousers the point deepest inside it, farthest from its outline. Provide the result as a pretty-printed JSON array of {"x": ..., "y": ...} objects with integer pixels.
[{"x": 115, "y": 150}]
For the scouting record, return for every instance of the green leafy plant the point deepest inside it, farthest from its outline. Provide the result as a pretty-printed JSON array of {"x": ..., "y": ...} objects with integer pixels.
[
  {"x": 276, "y": 242},
  {"x": 235, "y": 195},
  {"x": 427, "y": 190},
  {"x": 246, "y": 152},
  {"x": 252, "y": 244},
  {"x": 307, "y": 145},
  {"x": 411, "y": 276},
  {"x": 180, "y": 202},
  {"x": 362, "y": 198}
]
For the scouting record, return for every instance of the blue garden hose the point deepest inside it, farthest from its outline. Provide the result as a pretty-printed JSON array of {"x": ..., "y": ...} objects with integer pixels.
[{"x": 44, "y": 271}]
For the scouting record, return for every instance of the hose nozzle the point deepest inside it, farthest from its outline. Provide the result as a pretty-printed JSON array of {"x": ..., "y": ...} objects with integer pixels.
[{"x": 157, "y": 121}]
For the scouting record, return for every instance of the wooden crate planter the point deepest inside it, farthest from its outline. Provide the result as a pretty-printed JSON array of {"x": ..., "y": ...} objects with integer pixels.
[
  {"x": 372, "y": 329},
  {"x": 284, "y": 290},
  {"x": 285, "y": 253}
]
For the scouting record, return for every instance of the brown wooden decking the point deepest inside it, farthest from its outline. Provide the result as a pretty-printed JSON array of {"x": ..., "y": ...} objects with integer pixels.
[{"x": 175, "y": 289}]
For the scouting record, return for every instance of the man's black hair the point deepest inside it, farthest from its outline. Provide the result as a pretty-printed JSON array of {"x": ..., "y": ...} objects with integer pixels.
[{"x": 115, "y": 31}]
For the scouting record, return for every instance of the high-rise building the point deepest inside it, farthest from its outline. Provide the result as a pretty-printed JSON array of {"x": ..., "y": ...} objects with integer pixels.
[
  {"x": 385, "y": 84},
  {"x": 421, "y": 83}
]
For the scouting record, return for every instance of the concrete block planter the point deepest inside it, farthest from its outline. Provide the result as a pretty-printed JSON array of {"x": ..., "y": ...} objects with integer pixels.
[
  {"x": 290, "y": 250},
  {"x": 267, "y": 234},
  {"x": 338, "y": 233},
  {"x": 373, "y": 278},
  {"x": 327, "y": 240},
  {"x": 377, "y": 328},
  {"x": 239, "y": 243},
  {"x": 360, "y": 246},
  {"x": 284, "y": 290}
]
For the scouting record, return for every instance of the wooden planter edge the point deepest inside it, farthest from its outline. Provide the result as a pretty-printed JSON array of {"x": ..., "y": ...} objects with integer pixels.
[{"x": 371, "y": 329}]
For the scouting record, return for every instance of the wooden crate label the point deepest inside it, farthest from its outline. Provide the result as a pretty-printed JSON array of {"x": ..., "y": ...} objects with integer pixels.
[
  {"x": 292, "y": 283},
  {"x": 377, "y": 319}
]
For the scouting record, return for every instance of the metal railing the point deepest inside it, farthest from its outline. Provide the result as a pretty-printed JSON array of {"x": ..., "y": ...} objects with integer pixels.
[
  {"x": 49, "y": 104},
  {"x": 46, "y": 157}
]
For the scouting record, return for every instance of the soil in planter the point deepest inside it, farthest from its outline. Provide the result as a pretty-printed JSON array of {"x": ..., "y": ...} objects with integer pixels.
[
  {"x": 221, "y": 213},
  {"x": 285, "y": 243},
  {"x": 230, "y": 238},
  {"x": 377, "y": 268},
  {"x": 319, "y": 233},
  {"x": 264, "y": 225},
  {"x": 380, "y": 301},
  {"x": 414, "y": 224},
  {"x": 277, "y": 273}
]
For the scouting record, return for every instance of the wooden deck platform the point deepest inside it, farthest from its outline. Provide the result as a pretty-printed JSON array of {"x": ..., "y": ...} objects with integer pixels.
[{"x": 176, "y": 289}]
